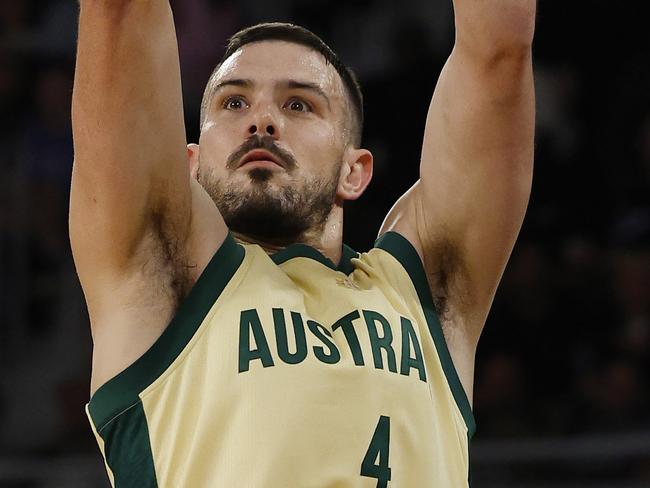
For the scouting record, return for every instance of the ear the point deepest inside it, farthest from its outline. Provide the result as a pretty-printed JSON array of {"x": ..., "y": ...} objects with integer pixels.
[
  {"x": 193, "y": 159},
  {"x": 356, "y": 173}
]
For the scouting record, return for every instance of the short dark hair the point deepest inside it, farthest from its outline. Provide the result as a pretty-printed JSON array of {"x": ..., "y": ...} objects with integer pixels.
[{"x": 280, "y": 31}]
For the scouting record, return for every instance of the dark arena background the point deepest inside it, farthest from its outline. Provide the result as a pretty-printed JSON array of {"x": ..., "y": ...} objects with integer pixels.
[{"x": 562, "y": 391}]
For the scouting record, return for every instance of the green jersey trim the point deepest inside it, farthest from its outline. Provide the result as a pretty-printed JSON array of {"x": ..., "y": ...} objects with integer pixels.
[
  {"x": 128, "y": 450},
  {"x": 122, "y": 391},
  {"x": 305, "y": 251},
  {"x": 400, "y": 248}
]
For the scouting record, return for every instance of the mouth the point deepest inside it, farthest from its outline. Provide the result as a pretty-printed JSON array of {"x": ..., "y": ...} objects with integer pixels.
[{"x": 260, "y": 158}]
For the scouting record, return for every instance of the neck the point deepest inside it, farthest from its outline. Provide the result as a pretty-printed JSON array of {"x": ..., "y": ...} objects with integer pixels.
[{"x": 328, "y": 240}]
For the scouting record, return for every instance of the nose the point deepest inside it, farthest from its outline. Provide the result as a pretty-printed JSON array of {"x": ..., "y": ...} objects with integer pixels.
[
  {"x": 265, "y": 123},
  {"x": 269, "y": 129}
]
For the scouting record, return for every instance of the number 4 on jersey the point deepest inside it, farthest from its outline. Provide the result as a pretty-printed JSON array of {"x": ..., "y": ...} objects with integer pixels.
[{"x": 378, "y": 449}]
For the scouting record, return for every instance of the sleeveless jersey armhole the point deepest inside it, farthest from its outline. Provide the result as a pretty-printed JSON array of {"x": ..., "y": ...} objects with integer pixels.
[
  {"x": 122, "y": 391},
  {"x": 402, "y": 250}
]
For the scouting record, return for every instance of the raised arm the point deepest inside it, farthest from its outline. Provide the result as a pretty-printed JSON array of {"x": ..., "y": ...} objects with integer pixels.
[
  {"x": 464, "y": 213},
  {"x": 131, "y": 177}
]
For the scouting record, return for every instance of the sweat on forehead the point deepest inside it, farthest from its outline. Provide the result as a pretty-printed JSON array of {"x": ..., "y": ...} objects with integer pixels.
[
  {"x": 284, "y": 62},
  {"x": 279, "y": 62}
]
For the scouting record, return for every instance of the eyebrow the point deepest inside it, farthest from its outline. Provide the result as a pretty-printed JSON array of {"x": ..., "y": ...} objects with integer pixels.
[
  {"x": 234, "y": 82},
  {"x": 291, "y": 84}
]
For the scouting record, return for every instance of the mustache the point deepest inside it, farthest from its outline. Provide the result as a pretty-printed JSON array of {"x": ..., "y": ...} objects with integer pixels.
[{"x": 261, "y": 142}]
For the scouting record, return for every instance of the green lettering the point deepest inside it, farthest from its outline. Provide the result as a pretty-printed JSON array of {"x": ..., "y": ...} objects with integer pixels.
[
  {"x": 346, "y": 324},
  {"x": 379, "y": 343},
  {"x": 281, "y": 337},
  {"x": 410, "y": 337},
  {"x": 323, "y": 334},
  {"x": 378, "y": 452},
  {"x": 249, "y": 322}
]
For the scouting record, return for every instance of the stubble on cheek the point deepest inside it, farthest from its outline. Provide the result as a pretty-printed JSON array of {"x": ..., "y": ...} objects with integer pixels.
[{"x": 263, "y": 209}]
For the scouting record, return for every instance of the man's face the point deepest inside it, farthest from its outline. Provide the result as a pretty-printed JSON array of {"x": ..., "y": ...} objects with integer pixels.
[{"x": 281, "y": 98}]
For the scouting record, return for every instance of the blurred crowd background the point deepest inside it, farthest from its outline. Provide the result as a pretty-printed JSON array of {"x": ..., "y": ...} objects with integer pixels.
[{"x": 563, "y": 365}]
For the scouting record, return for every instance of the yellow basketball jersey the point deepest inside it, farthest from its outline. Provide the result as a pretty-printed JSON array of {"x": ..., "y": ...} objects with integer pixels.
[{"x": 288, "y": 371}]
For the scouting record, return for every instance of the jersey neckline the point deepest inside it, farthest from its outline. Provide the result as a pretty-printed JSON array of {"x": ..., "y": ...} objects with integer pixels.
[{"x": 305, "y": 251}]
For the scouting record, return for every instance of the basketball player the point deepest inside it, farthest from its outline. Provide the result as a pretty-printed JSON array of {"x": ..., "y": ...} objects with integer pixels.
[{"x": 237, "y": 341}]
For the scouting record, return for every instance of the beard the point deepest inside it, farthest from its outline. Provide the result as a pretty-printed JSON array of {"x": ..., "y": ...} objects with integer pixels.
[{"x": 279, "y": 215}]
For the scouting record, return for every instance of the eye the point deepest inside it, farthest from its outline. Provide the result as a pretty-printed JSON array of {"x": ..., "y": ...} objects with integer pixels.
[
  {"x": 298, "y": 105},
  {"x": 235, "y": 103}
]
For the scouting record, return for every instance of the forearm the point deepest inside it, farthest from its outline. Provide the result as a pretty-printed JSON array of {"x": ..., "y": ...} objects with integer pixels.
[{"x": 495, "y": 28}]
